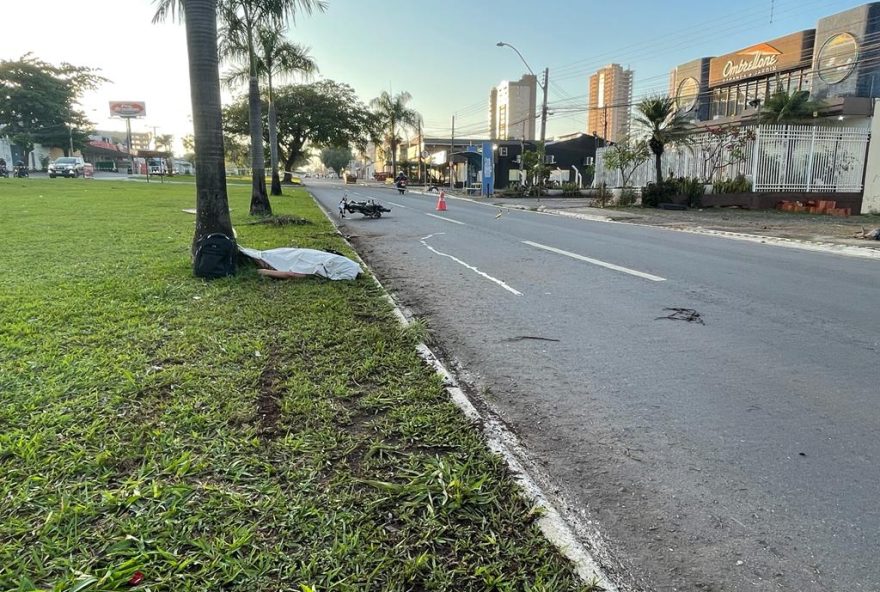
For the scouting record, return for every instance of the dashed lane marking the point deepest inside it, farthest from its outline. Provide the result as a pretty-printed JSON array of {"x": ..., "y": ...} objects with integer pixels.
[
  {"x": 640, "y": 274},
  {"x": 446, "y": 219}
]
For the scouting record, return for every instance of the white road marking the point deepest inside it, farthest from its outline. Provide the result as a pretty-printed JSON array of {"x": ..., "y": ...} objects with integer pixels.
[
  {"x": 471, "y": 267},
  {"x": 397, "y": 205},
  {"x": 446, "y": 219},
  {"x": 647, "y": 276}
]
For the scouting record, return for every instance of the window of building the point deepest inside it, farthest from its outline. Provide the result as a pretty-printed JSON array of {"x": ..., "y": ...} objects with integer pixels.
[
  {"x": 721, "y": 107},
  {"x": 807, "y": 80},
  {"x": 753, "y": 90},
  {"x": 771, "y": 86},
  {"x": 795, "y": 84},
  {"x": 762, "y": 91},
  {"x": 502, "y": 151},
  {"x": 784, "y": 81}
]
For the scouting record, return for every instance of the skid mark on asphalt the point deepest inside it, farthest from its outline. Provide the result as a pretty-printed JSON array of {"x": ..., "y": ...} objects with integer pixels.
[
  {"x": 640, "y": 274},
  {"x": 446, "y": 219},
  {"x": 424, "y": 239}
]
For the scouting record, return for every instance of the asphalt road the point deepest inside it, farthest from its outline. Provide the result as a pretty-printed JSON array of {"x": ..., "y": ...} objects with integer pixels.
[{"x": 737, "y": 450}]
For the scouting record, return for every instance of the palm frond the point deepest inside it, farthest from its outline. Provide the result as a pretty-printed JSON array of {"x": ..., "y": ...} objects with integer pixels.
[{"x": 166, "y": 9}]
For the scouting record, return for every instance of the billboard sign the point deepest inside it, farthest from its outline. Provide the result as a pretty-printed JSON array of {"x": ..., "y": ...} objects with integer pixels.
[
  {"x": 782, "y": 54},
  {"x": 128, "y": 109}
]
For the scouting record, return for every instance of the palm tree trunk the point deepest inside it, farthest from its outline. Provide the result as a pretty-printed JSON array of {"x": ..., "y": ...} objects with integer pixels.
[
  {"x": 212, "y": 205},
  {"x": 393, "y": 152},
  {"x": 658, "y": 163},
  {"x": 273, "y": 139},
  {"x": 259, "y": 198},
  {"x": 273, "y": 148},
  {"x": 260, "y": 205}
]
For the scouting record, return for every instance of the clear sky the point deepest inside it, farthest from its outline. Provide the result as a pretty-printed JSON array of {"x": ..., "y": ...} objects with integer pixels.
[{"x": 443, "y": 52}]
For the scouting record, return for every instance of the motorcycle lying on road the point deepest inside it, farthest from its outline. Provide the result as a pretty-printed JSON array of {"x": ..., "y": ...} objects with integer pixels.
[
  {"x": 20, "y": 170},
  {"x": 369, "y": 208}
]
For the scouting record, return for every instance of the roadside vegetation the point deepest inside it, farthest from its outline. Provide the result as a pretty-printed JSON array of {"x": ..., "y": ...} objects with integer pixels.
[{"x": 244, "y": 434}]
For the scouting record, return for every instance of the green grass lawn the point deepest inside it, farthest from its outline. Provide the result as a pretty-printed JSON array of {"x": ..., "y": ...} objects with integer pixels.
[{"x": 244, "y": 434}]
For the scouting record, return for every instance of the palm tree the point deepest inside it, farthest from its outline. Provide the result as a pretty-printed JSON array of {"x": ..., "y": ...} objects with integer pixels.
[
  {"x": 393, "y": 112},
  {"x": 242, "y": 19},
  {"x": 212, "y": 204},
  {"x": 665, "y": 125},
  {"x": 785, "y": 108},
  {"x": 275, "y": 57},
  {"x": 165, "y": 141}
]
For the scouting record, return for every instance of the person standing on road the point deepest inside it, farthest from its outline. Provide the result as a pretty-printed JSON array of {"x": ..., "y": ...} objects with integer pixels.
[{"x": 342, "y": 203}]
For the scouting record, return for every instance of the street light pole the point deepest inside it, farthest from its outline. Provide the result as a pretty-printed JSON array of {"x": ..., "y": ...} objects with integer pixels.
[
  {"x": 543, "y": 87},
  {"x": 544, "y": 105}
]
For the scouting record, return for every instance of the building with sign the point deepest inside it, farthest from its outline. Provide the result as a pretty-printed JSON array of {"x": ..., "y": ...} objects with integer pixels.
[
  {"x": 512, "y": 106},
  {"x": 608, "y": 109},
  {"x": 837, "y": 63}
]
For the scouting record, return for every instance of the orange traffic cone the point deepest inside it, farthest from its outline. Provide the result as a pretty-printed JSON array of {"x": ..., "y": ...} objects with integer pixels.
[{"x": 441, "y": 202}]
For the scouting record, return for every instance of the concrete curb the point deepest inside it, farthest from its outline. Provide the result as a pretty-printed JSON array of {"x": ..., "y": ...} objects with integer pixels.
[{"x": 561, "y": 531}]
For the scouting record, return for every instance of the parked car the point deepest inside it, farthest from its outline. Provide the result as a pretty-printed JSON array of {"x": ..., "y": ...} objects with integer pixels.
[{"x": 67, "y": 166}]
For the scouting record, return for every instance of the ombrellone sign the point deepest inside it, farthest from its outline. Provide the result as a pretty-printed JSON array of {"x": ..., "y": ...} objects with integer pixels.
[
  {"x": 128, "y": 109},
  {"x": 779, "y": 55}
]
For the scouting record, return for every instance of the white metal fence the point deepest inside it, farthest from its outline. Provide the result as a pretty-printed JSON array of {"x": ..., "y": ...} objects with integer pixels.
[{"x": 773, "y": 158}]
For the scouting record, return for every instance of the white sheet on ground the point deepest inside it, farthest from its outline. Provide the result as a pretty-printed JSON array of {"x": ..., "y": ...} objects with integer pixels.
[{"x": 308, "y": 261}]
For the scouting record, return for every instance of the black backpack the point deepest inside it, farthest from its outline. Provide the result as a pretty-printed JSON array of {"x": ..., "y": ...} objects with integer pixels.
[{"x": 215, "y": 256}]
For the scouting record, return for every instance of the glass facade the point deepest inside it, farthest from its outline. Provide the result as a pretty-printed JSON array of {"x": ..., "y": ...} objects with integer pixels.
[{"x": 734, "y": 99}]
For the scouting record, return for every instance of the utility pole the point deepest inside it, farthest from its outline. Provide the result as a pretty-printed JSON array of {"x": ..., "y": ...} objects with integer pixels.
[
  {"x": 522, "y": 152},
  {"x": 544, "y": 105},
  {"x": 420, "y": 152},
  {"x": 451, "y": 149},
  {"x": 605, "y": 125},
  {"x": 128, "y": 139}
]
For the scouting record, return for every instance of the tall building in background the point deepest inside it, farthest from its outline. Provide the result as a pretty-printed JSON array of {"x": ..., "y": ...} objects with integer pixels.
[
  {"x": 608, "y": 110},
  {"x": 512, "y": 108}
]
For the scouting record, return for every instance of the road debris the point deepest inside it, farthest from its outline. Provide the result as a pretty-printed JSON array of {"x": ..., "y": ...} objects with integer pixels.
[{"x": 683, "y": 314}]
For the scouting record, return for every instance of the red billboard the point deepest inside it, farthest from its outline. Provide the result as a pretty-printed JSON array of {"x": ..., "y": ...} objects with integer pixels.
[{"x": 128, "y": 109}]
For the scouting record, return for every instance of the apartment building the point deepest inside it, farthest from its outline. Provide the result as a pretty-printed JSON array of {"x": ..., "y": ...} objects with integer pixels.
[
  {"x": 608, "y": 109},
  {"x": 512, "y": 107}
]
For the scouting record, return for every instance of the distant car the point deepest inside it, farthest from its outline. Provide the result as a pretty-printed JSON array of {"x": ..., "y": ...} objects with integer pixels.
[{"x": 67, "y": 166}]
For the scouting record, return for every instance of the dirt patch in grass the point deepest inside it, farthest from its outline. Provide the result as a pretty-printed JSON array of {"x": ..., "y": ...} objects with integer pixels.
[
  {"x": 281, "y": 221},
  {"x": 268, "y": 400}
]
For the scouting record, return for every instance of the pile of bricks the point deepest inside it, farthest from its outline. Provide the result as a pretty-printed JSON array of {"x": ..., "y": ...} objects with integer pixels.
[{"x": 817, "y": 206}]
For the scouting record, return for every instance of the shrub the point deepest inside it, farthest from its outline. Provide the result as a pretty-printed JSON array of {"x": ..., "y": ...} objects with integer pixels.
[
  {"x": 569, "y": 189},
  {"x": 656, "y": 193},
  {"x": 739, "y": 184},
  {"x": 693, "y": 188},
  {"x": 627, "y": 197}
]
